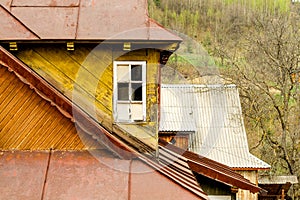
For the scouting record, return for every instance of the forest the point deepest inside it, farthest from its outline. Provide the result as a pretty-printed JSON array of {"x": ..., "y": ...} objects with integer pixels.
[{"x": 254, "y": 44}]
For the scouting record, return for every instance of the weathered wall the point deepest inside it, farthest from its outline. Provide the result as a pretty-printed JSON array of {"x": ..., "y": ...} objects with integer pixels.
[
  {"x": 85, "y": 75},
  {"x": 212, "y": 187},
  {"x": 244, "y": 194}
]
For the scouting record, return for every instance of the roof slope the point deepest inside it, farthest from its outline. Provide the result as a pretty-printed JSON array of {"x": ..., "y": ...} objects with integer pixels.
[
  {"x": 81, "y": 175},
  {"x": 203, "y": 166},
  {"x": 214, "y": 113},
  {"x": 167, "y": 162},
  {"x": 12, "y": 28},
  {"x": 82, "y": 20}
]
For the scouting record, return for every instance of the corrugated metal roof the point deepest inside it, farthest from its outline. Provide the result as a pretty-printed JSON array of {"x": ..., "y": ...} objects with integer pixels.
[
  {"x": 277, "y": 179},
  {"x": 215, "y": 112},
  {"x": 177, "y": 109},
  {"x": 82, "y": 20}
]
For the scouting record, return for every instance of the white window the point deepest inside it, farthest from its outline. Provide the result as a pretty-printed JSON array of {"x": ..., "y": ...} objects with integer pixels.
[{"x": 129, "y": 91}]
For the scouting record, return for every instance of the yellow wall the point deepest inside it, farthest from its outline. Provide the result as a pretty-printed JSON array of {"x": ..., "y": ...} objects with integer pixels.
[{"x": 86, "y": 76}]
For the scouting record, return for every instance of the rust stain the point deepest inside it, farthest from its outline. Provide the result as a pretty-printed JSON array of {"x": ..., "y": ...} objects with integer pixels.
[{"x": 53, "y": 3}]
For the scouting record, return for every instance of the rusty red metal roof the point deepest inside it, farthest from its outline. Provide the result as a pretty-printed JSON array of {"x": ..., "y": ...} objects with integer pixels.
[
  {"x": 12, "y": 28},
  {"x": 50, "y": 3},
  {"x": 81, "y": 20},
  {"x": 5, "y": 3},
  {"x": 81, "y": 175}
]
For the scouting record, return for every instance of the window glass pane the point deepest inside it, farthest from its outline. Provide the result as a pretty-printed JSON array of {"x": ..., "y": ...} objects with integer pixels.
[
  {"x": 123, "y": 73},
  {"x": 137, "y": 92},
  {"x": 123, "y": 91},
  {"x": 136, "y": 72}
]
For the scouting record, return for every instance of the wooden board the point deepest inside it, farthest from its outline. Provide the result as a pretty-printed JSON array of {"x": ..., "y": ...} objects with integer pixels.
[
  {"x": 28, "y": 122},
  {"x": 86, "y": 77}
]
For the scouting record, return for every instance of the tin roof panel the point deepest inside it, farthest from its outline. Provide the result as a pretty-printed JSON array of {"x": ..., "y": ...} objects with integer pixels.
[
  {"x": 49, "y": 22},
  {"x": 86, "y": 20},
  {"x": 277, "y": 179},
  {"x": 112, "y": 19},
  {"x": 5, "y": 3},
  {"x": 45, "y": 3},
  {"x": 216, "y": 114},
  {"x": 12, "y": 28},
  {"x": 177, "y": 110},
  {"x": 22, "y": 174},
  {"x": 82, "y": 175}
]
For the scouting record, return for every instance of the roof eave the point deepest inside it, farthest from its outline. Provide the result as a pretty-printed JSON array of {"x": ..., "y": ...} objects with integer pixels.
[
  {"x": 249, "y": 168},
  {"x": 213, "y": 169}
]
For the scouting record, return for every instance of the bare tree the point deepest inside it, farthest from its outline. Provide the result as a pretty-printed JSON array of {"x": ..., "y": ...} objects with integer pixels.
[{"x": 267, "y": 69}]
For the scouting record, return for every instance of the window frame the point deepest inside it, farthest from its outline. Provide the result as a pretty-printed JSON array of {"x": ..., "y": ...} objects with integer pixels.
[{"x": 130, "y": 82}]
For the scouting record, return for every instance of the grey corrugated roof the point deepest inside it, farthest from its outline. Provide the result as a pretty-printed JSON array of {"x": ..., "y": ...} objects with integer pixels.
[
  {"x": 80, "y": 20},
  {"x": 177, "y": 110},
  {"x": 215, "y": 113},
  {"x": 277, "y": 179}
]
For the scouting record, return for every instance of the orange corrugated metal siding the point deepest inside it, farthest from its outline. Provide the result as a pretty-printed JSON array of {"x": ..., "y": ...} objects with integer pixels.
[{"x": 29, "y": 122}]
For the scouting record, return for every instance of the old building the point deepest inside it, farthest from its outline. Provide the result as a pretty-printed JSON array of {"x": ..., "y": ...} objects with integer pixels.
[
  {"x": 207, "y": 119},
  {"x": 84, "y": 75}
]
